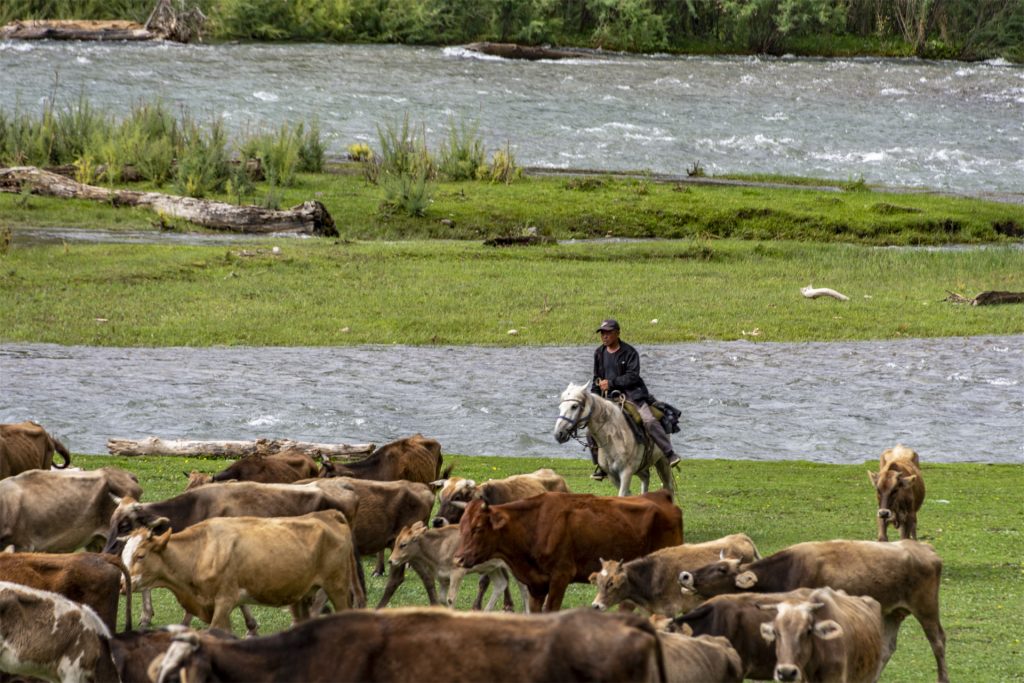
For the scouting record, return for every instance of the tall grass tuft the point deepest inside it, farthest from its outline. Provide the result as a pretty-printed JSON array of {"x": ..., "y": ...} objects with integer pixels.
[
  {"x": 403, "y": 168},
  {"x": 203, "y": 165},
  {"x": 311, "y": 147},
  {"x": 503, "y": 167},
  {"x": 462, "y": 152}
]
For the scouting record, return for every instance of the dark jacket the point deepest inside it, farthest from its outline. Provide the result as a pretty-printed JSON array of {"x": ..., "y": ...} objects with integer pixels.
[{"x": 628, "y": 381}]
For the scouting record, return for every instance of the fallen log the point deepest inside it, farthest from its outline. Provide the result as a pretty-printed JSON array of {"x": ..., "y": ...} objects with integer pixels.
[
  {"x": 154, "y": 445},
  {"x": 310, "y": 217},
  {"x": 814, "y": 292},
  {"x": 74, "y": 29},
  {"x": 529, "y": 52},
  {"x": 989, "y": 298}
]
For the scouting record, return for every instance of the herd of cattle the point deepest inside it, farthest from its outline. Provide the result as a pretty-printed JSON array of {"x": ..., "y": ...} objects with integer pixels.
[{"x": 280, "y": 530}]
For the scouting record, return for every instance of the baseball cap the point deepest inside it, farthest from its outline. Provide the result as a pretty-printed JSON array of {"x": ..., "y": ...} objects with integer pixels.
[{"x": 608, "y": 325}]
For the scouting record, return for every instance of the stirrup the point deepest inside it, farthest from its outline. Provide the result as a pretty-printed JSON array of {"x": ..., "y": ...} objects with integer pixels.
[{"x": 599, "y": 474}]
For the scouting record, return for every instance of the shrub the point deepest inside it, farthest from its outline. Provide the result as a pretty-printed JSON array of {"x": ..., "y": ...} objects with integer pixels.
[
  {"x": 203, "y": 165},
  {"x": 403, "y": 150},
  {"x": 410, "y": 193},
  {"x": 462, "y": 153},
  {"x": 503, "y": 167}
]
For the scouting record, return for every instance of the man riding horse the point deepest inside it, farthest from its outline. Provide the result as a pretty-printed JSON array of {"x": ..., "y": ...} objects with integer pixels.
[{"x": 617, "y": 368}]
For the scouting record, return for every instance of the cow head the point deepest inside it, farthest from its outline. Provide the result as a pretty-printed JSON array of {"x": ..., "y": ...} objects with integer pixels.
[
  {"x": 793, "y": 631},
  {"x": 184, "y": 661},
  {"x": 889, "y": 486},
  {"x": 456, "y": 493},
  {"x": 611, "y": 584},
  {"x": 479, "y": 533},
  {"x": 407, "y": 543},
  {"x": 129, "y": 515},
  {"x": 724, "y": 576},
  {"x": 140, "y": 544},
  {"x": 196, "y": 479}
]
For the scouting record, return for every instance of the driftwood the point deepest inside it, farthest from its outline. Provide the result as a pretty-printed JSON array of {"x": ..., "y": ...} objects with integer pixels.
[
  {"x": 520, "y": 240},
  {"x": 530, "y": 52},
  {"x": 814, "y": 292},
  {"x": 987, "y": 298},
  {"x": 153, "y": 445},
  {"x": 73, "y": 29},
  {"x": 309, "y": 217}
]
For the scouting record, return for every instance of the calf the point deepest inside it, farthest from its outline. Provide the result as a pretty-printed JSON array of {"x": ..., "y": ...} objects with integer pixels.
[
  {"x": 456, "y": 492},
  {"x": 830, "y": 637},
  {"x": 414, "y": 458},
  {"x": 553, "y": 539},
  {"x": 904, "y": 577},
  {"x": 45, "y": 635},
  {"x": 703, "y": 659},
  {"x": 430, "y": 644},
  {"x": 283, "y": 467},
  {"x": 92, "y": 579},
  {"x": 432, "y": 551},
  {"x": 27, "y": 446},
  {"x": 738, "y": 618},
  {"x": 213, "y": 566},
  {"x": 650, "y": 582},
  {"x": 57, "y": 512},
  {"x": 900, "y": 489}
]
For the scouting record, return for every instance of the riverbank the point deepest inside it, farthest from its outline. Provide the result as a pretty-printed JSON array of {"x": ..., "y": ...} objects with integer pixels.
[{"x": 969, "y": 516}]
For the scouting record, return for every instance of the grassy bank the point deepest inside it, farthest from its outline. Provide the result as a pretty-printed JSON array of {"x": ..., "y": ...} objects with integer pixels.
[
  {"x": 972, "y": 516},
  {"x": 328, "y": 292}
]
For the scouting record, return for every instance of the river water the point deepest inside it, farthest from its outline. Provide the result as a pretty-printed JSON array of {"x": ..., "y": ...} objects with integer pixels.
[
  {"x": 950, "y": 126},
  {"x": 952, "y": 399}
]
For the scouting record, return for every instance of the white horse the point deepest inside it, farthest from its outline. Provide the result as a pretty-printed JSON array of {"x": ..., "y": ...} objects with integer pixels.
[{"x": 619, "y": 453}]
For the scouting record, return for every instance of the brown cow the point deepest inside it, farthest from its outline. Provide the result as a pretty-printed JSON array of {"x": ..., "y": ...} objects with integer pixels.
[
  {"x": 213, "y": 566},
  {"x": 650, "y": 582},
  {"x": 414, "y": 458},
  {"x": 553, "y": 539},
  {"x": 93, "y": 579},
  {"x": 384, "y": 509},
  {"x": 45, "y": 635},
  {"x": 904, "y": 577},
  {"x": 429, "y": 644},
  {"x": 27, "y": 446},
  {"x": 900, "y": 489},
  {"x": 456, "y": 492},
  {"x": 829, "y": 637},
  {"x": 738, "y": 618},
  {"x": 283, "y": 467},
  {"x": 704, "y": 659}
]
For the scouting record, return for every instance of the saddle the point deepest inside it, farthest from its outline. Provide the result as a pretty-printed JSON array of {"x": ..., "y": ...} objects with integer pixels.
[{"x": 667, "y": 414}]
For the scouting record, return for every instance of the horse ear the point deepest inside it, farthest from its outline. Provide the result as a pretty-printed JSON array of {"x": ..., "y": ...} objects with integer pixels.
[{"x": 588, "y": 386}]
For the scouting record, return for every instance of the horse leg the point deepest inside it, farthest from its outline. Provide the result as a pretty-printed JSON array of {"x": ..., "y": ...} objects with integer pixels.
[
  {"x": 645, "y": 481},
  {"x": 625, "y": 475}
]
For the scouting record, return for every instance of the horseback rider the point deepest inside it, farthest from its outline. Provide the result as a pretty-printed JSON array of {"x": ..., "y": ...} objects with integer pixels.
[{"x": 617, "y": 368}]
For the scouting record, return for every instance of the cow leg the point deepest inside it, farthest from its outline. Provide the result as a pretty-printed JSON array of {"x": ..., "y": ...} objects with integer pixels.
[
  {"x": 481, "y": 589},
  {"x": 500, "y": 585},
  {"x": 251, "y": 627},
  {"x": 379, "y": 569},
  {"x": 454, "y": 583},
  {"x": 537, "y": 600},
  {"x": 937, "y": 639},
  {"x": 556, "y": 592},
  {"x": 395, "y": 579},
  {"x": 428, "y": 583},
  {"x": 890, "y": 631},
  {"x": 665, "y": 474},
  {"x": 146, "y": 618},
  {"x": 524, "y": 595}
]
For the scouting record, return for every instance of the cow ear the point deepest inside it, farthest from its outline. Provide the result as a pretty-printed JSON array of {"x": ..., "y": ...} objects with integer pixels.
[
  {"x": 498, "y": 520},
  {"x": 768, "y": 631},
  {"x": 908, "y": 480},
  {"x": 437, "y": 485},
  {"x": 161, "y": 540},
  {"x": 746, "y": 580},
  {"x": 873, "y": 476},
  {"x": 592, "y": 578},
  {"x": 829, "y": 629}
]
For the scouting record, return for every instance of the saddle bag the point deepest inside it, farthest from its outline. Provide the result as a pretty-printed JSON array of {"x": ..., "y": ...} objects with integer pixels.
[{"x": 669, "y": 417}]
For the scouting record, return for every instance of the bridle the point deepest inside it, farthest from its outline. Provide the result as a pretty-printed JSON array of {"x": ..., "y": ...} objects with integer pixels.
[{"x": 578, "y": 422}]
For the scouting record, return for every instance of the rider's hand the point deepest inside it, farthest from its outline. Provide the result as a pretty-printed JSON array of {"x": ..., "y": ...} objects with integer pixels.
[{"x": 603, "y": 385}]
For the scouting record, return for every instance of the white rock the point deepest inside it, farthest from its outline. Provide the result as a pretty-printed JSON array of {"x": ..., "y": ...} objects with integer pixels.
[{"x": 513, "y": 333}]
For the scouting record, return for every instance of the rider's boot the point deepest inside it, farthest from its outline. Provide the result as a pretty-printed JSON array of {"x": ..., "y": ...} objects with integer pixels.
[{"x": 599, "y": 474}]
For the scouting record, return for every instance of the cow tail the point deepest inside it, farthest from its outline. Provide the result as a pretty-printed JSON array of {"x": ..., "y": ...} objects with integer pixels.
[
  {"x": 116, "y": 561},
  {"x": 357, "y": 579},
  {"x": 64, "y": 453}
]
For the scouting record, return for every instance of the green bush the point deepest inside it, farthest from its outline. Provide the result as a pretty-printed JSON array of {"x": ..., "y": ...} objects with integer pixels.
[
  {"x": 203, "y": 166},
  {"x": 462, "y": 152}
]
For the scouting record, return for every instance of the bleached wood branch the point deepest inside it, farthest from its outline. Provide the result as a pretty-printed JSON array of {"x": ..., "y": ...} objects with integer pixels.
[
  {"x": 154, "y": 445},
  {"x": 812, "y": 292}
]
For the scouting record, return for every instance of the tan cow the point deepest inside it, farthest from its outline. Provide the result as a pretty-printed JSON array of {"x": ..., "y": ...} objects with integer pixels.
[
  {"x": 45, "y": 635},
  {"x": 704, "y": 659},
  {"x": 283, "y": 467},
  {"x": 900, "y": 489},
  {"x": 215, "y": 565},
  {"x": 650, "y": 582},
  {"x": 432, "y": 552},
  {"x": 27, "y": 446},
  {"x": 831, "y": 637},
  {"x": 456, "y": 492}
]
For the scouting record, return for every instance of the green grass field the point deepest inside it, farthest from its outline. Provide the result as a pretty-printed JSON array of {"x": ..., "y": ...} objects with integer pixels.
[{"x": 972, "y": 515}]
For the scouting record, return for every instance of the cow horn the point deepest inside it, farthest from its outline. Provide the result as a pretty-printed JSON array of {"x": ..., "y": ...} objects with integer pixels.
[
  {"x": 438, "y": 484},
  {"x": 181, "y": 647},
  {"x": 461, "y": 504}
]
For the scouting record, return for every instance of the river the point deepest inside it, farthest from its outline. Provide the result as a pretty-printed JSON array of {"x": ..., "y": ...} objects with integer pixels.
[
  {"x": 952, "y": 399},
  {"x": 949, "y": 126}
]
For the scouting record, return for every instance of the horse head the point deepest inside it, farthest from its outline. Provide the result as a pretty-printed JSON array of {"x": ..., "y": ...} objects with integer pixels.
[{"x": 574, "y": 409}]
